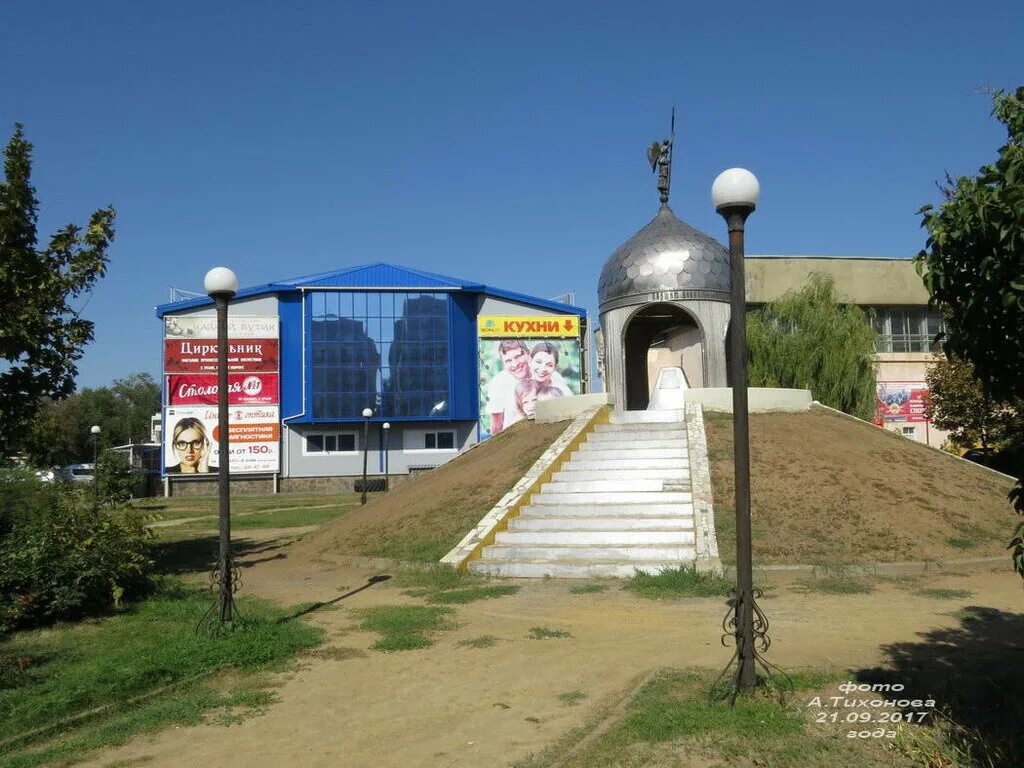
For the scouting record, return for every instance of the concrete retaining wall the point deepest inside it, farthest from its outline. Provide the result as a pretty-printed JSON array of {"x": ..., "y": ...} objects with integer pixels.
[
  {"x": 562, "y": 408},
  {"x": 759, "y": 399}
]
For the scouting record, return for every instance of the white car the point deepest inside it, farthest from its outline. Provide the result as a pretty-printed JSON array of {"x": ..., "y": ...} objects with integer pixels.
[{"x": 77, "y": 473}]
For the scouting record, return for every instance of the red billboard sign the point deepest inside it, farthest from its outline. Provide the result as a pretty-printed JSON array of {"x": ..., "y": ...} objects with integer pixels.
[
  {"x": 200, "y": 355},
  {"x": 900, "y": 401},
  {"x": 243, "y": 389}
]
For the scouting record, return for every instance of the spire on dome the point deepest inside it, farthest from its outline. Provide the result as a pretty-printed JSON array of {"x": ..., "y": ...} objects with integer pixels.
[{"x": 659, "y": 155}]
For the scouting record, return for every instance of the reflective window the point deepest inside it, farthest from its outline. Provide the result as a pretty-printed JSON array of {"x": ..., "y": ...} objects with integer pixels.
[
  {"x": 384, "y": 350},
  {"x": 909, "y": 329}
]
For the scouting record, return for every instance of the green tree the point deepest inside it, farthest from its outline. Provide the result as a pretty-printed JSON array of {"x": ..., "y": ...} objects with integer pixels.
[
  {"x": 961, "y": 406},
  {"x": 973, "y": 267},
  {"x": 59, "y": 433},
  {"x": 808, "y": 340},
  {"x": 41, "y": 335}
]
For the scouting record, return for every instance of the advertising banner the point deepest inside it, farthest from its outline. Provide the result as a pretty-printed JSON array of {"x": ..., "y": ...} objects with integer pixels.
[
  {"x": 192, "y": 434},
  {"x": 900, "y": 401},
  {"x": 527, "y": 327},
  {"x": 196, "y": 355},
  {"x": 205, "y": 327},
  {"x": 243, "y": 389},
  {"x": 516, "y": 372}
]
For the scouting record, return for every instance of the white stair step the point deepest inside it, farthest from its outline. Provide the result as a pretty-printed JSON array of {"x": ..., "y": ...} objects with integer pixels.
[
  {"x": 636, "y": 434},
  {"x": 590, "y": 454},
  {"x": 643, "y": 428},
  {"x": 612, "y": 497},
  {"x": 571, "y": 474},
  {"x": 621, "y": 445},
  {"x": 611, "y": 465},
  {"x": 610, "y": 538},
  {"x": 539, "y": 509},
  {"x": 597, "y": 486},
  {"x": 582, "y": 523},
  {"x": 646, "y": 417},
  {"x": 668, "y": 555},
  {"x": 566, "y": 569}
]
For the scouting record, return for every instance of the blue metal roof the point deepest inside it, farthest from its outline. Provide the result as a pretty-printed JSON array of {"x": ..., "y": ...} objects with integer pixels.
[{"x": 378, "y": 275}]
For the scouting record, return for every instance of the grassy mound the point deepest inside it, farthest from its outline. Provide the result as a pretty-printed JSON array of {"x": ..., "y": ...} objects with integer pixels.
[
  {"x": 422, "y": 519},
  {"x": 827, "y": 489}
]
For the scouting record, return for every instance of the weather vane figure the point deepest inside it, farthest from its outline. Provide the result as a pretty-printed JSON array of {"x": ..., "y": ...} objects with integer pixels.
[{"x": 659, "y": 154}]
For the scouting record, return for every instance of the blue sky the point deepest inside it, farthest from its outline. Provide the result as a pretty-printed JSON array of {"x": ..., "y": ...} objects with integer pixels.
[{"x": 495, "y": 142}]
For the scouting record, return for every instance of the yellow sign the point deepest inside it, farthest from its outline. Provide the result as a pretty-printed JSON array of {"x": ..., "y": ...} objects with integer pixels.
[{"x": 552, "y": 326}]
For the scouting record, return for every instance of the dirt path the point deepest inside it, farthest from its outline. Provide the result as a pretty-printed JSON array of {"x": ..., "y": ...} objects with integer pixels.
[{"x": 459, "y": 706}]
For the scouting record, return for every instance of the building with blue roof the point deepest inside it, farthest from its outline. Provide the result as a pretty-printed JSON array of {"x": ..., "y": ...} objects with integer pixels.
[{"x": 403, "y": 342}]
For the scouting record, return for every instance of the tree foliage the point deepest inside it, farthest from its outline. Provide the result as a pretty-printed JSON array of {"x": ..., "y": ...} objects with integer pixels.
[
  {"x": 960, "y": 405},
  {"x": 808, "y": 340},
  {"x": 41, "y": 335},
  {"x": 973, "y": 267},
  {"x": 59, "y": 433}
]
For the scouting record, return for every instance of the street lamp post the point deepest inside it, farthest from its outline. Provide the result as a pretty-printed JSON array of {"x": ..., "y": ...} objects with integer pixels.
[
  {"x": 221, "y": 285},
  {"x": 735, "y": 194},
  {"x": 367, "y": 413},
  {"x": 387, "y": 479},
  {"x": 95, "y": 430}
]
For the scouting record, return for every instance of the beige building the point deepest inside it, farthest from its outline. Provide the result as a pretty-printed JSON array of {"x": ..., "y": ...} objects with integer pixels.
[{"x": 906, "y": 327}]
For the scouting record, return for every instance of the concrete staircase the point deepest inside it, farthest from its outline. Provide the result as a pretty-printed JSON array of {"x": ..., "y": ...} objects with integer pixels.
[{"x": 621, "y": 503}]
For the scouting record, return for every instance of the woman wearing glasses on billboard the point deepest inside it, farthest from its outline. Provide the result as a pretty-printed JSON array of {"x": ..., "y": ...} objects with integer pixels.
[{"x": 191, "y": 447}]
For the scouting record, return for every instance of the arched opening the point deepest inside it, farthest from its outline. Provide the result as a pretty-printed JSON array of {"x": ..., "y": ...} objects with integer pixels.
[{"x": 660, "y": 336}]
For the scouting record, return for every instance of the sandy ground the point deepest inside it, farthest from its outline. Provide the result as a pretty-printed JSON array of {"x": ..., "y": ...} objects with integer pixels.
[{"x": 458, "y": 706}]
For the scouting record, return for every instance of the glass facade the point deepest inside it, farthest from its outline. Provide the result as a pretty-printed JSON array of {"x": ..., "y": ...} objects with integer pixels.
[
  {"x": 906, "y": 329},
  {"x": 386, "y": 350}
]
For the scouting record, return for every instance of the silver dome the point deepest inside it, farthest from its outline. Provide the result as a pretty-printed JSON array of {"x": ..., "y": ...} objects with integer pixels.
[{"x": 667, "y": 255}]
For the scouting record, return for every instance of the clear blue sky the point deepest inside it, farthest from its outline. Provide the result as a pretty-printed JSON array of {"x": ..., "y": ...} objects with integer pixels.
[{"x": 499, "y": 142}]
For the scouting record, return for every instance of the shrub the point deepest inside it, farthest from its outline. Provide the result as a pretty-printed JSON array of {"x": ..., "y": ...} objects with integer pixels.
[
  {"x": 61, "y": 559},
  {"x": 115, "y": 477}
]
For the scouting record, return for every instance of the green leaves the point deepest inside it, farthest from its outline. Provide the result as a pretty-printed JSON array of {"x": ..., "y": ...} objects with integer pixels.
[{"x": 41, "y": 336}]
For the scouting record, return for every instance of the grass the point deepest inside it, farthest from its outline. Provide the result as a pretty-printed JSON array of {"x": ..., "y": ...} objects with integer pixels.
[
  {"x": 448, "y": 586},
  {"x": 545, "y": 633},
  {"x": 670, "y": 721},
  {"x": 684, "y": 581},
  {"x": 940, "y": 593},
  {"x": 587, "y": 589},
  {"x": 102, "y": 667},
  {"x": 837, "y": 585},
  {"x": 571, "y": 698},
  {"x": 484, "y": 641},
  {"x": 405, "y": 627}
]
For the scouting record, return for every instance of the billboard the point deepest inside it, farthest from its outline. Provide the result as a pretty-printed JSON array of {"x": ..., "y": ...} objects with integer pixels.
[
  {"x": 192, "y": 435},
  {"x": 200, "y": 355},
  {"x": 243, "y": 389},
  {"x": 523, "y": 360},
  {"x": 205, "y": 327},
  {"x": 900, "y": 401}
]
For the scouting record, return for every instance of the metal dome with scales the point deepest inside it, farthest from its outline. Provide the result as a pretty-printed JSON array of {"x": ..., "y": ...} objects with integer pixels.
[{"x": 663, "y": 301}]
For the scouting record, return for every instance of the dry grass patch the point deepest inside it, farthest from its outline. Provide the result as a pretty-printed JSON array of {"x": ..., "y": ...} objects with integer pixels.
[{"x": 827, "y": 489}]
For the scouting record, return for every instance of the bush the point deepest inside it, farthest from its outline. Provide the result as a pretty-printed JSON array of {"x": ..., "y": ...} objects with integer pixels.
[
  {"x": 61, "y": 559},
  {"x": 115, "y": 477}
]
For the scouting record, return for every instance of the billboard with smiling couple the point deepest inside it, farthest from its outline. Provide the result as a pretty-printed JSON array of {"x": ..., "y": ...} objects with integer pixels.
[{"x": 524, "y": 360}]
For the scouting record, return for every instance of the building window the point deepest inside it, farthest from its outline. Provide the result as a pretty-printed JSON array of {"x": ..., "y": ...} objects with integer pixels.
[
  {"x": 429, "y": 440},
  {"x": 906, "y": 329},
  {"x": 329, "y": 443},
  {"x": 910, "y": 432},
  {"x": 386, "y": 350}
]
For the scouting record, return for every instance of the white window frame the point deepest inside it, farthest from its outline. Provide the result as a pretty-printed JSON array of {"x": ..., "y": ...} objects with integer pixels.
[
  {"x": 910, "y": 432},
  {"x": 328, "y": 432},
  {"x": 418, "y": 437}
]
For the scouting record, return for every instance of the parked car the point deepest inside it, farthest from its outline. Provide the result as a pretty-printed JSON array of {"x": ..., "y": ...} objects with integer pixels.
[
  {"x": 1006, "y": 461},
  {"x": 77, "y": 473}
]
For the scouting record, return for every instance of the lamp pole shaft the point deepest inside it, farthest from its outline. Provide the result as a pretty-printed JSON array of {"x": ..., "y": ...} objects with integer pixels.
[
  {"x": 387, "y": 465},
  {"x": 366, "y": 448},
  {"x": 224, "y": 476},
  {"x": 95, "y": 472},
  {"x": 741, "y": 451}
]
